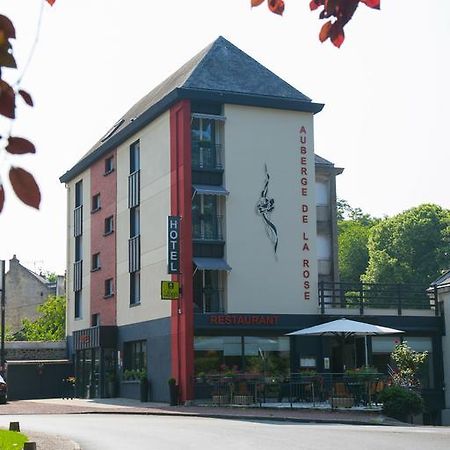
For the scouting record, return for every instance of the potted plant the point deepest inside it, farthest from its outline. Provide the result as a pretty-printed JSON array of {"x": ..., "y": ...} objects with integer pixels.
[
  {"x": 143, "y": 381},
  {"x": 173, "y": 391},
  {"x": 111, "y": 383}
]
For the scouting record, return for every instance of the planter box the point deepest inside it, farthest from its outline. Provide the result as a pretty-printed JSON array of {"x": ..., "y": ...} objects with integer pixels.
[
  {"x": 342, "y": 402},
  {"x": 130, "y": 389}
]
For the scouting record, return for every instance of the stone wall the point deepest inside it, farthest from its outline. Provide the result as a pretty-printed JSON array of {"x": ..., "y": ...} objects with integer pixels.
[{"x": 31, "y": 350}]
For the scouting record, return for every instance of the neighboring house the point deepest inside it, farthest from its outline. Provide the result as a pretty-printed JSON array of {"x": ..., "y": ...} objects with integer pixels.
[
  {"x": 227, "y": 147},
  {"x": 25, "y": 291}
]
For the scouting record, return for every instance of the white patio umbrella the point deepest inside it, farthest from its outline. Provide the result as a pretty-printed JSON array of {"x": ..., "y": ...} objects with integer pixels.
[{"x": 345, "y": 328}]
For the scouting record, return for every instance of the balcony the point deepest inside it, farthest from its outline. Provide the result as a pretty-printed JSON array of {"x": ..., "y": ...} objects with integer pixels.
[
  {"x": 207, "y": 227},
  {"x": 207, "y": 156},
  {"x": 209, "y": 300},
  {"x": 377, "y": 298}
]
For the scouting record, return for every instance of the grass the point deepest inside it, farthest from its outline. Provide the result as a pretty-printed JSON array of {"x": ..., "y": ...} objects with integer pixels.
[{"x": 12, "y": 440}]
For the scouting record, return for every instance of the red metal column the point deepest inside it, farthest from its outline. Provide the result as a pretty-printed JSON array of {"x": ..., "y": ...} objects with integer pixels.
[{"x": 182, "y": 319}]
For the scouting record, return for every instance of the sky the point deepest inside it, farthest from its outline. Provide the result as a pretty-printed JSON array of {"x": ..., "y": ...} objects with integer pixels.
[{"x": 386, "y": 94}]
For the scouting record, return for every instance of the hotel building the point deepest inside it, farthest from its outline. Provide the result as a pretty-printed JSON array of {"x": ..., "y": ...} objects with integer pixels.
[{"x": 211, "y": 181}]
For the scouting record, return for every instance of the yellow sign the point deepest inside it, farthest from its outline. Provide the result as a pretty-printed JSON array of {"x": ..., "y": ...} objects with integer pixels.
[{"x": 170, "y": 290}]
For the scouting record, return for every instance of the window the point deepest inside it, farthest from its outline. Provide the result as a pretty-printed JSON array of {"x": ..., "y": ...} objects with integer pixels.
[
  {"x": 109, "y": 225},
  {"x": 206, "y": 139},
  {"x": 254, "y": 354},
  {"x": 135, "y": 355},
  {"x": 109, "y": 288},
  {"x": 96, "y": 203},
  {"x": 208, "y": 294},
  {"x": 135, "y": 163},
  {"x": 78, "y": 248},
  {"x": 206, "y": 222},
  {"x": 95, "y": 262},
  {"x": 77, "y": 305},
  {"x": 135, "y": 288},
  {"x": 113, "y": 129},
  {"x": 109, "y": 165},
  {"x": 79, "y": 193},
  {"x": 134, "y": 222},
  {"x": 95, "y": 320}
]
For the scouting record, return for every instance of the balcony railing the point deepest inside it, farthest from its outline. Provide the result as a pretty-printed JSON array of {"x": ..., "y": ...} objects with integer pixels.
[
  {"x": 77, "y": 275},
  {"x": 207, "y": 155},
  {"x": 209, "y": 301},
  {"x": 134, "y": 254},
  {"x": 314, "y": 390},
  {"x": 362, "y": 296},
  {"x": 134, "y": 189},
  {"x": 78, "y": 221},
  {"x": 207, "y": 227}
]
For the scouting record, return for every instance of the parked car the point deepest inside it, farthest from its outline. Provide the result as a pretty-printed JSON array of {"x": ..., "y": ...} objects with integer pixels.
[{"x": 3, "y": 391}]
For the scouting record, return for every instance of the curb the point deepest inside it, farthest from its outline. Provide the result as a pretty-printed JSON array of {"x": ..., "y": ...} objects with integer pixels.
[{"x": 249, "y": 417}]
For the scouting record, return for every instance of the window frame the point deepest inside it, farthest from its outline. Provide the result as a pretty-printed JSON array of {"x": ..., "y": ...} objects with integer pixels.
[
  {"x": 109, "y": 288},
  {"x": 135, "y": 294},
  {"x": 135, "y": 355},
  {"x": 77, "y": 305},
  {"x": 95, "y": 262},
  {"x": 96, "y": 203},
  {"x": 108, "y": 225},
  {"x": 109, "y": 165}
]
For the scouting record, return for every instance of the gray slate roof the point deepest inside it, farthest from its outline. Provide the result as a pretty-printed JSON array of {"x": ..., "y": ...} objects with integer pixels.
[
  {"x": 443, "y": 280},
  {"x": 220, "y": 72}
]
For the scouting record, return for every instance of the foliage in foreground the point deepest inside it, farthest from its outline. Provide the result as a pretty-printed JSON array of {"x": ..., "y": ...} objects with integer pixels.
[
  {"x": 408, "y": 364},
  {"x": 50, "y": 326},
  {"x": 400, "y": 403},
  {"x": 11, "y": 440}
]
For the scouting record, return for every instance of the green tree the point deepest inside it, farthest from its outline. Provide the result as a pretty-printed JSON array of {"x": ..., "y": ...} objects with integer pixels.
[
  {"x": 411, "y": 247},
  {"x": 353, "y": 254},
  {"x": 353, "y": 234},
  {"x": 50, "y": 326}
]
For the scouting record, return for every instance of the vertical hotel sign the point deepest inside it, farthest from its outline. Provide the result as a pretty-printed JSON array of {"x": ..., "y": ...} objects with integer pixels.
[
  {"x": 305, "y": 219},
  {"x": 173, "y": 244}
]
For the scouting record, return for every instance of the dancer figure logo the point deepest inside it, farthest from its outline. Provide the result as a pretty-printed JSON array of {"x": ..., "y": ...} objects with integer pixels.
[{"x": 264, "y": 208}]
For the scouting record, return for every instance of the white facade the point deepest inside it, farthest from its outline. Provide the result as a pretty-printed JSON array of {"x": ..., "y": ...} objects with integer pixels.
[
  {"x": 154, "y": 209},
  {"x": 262, "y": 281}
]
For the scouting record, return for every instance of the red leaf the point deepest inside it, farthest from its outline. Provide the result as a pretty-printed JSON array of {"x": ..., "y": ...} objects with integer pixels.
[
  {"x": 2, "y": 197},
  {"x": 276, "y": 6},
  {"x": 314, "y": 4},
  {"x": 256, "y": 2},
  {"x": 337, "y": 35},
  {"x": 51, "y": 2},
  {"x": 25, "y": 186},
  {"x": 7, "y": 58},
  {"x": 375, "y": 4},
  {"x": 7, "y": 100},
  {"x": 26, "y": 97},
  {"x": 7, "y": 27},
  {"x": 19, "y": 146},
  {"x": 325, "y": 31}
]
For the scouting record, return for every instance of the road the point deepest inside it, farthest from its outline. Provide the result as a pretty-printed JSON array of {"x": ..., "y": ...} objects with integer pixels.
[{"x": 113, "y": 431}]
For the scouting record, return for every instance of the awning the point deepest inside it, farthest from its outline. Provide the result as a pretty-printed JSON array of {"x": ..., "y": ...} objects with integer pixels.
[
  {"x": 211, "y": 264},
  {"x": 209, "y": 190}
]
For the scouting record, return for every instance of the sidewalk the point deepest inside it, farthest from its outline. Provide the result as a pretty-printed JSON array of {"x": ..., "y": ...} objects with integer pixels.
[{"x": 129, "y": 406}]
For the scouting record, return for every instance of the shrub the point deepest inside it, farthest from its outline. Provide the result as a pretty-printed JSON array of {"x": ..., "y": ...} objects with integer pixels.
[{"x": 400, "y": 403}]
